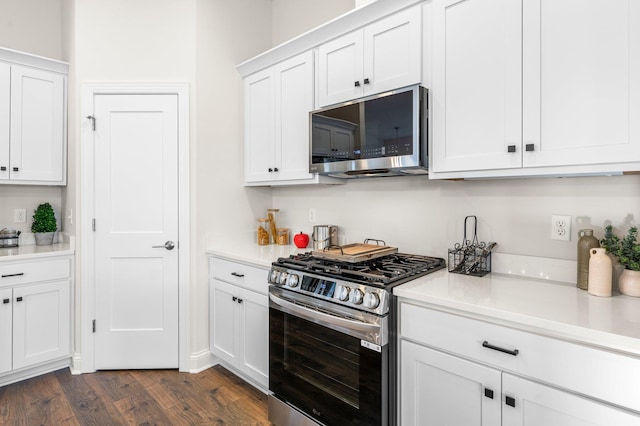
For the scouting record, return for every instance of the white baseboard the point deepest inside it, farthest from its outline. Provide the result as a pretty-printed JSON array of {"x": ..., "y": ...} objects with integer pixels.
[
  {"x": 30, "y": 372},
  {"x": 200, "y": 361}
]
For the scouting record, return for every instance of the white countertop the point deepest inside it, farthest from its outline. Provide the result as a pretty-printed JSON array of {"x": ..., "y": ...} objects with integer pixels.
[
  {"x": 252, "y": 253},
  {"x": 32, "y": 251},
  {"x": 546, "y": 307}
]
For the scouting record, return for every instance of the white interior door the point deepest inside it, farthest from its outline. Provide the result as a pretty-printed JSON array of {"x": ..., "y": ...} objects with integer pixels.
[{"x": 136, "y": 214}]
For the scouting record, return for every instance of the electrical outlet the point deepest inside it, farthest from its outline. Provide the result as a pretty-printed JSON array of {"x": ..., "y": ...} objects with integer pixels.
[
  {"x": 561, "y": 227},
  {"x": 312, "y": 215},
  {"x": 20, "y": 215}
]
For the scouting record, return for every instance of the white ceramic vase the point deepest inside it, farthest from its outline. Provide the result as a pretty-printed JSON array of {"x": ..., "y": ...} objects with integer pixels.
[{"x": 630, "y": 283}]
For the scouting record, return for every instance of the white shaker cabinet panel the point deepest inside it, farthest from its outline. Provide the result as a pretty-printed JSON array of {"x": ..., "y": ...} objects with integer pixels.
[
  {"x": 477, "y": 82},
  {"x": 42, "y": 323},
  {"x": 6, "y": 327},
  {"x": 534, "y": 404},
  {"x": 581, "y": 82},
  {"x": 293, "y": 102},
  {"x": 254, "y": 322},
  {"x": 37, "y": 125},
  {"x": 5, "y": 115},
  {"x": 259, "y": 122},
  {"x": 440, "y": 389},
  {"x": 384, "y": 55}
]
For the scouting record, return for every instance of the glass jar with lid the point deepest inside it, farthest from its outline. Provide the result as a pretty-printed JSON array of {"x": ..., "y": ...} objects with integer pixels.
[{"x": 263, "y": 231}]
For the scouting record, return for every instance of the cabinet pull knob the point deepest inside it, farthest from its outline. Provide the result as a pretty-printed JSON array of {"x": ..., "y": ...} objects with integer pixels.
[
  {"x": 13, "y": 275},
  {"x": 5, "y": 301},
  {"x": 528, "y": 147},
  {"x": 488, "y": 393},
  {"x": 511, "y": 148},
  {"x": 19, "y": 299},
  {"x": 487, "y": 345},
  {"x": 275, "y": 169},
  {"x": 3, "y": 168},
  {"x": 234, "y": 298},
  {"x": 510, "y": 401},
  {"x": 357, "y": 84},
  {"x": 270, "y": 169},
  {"x": 235, "y": 274},
  {"x": 16, "y": 169},
  {"x": 366, "y": 81},
  {"x": 240, "y": 300}
]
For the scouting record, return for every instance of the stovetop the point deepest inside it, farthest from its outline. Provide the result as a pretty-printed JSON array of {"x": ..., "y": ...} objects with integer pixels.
[{"x": 386, "y": 271}]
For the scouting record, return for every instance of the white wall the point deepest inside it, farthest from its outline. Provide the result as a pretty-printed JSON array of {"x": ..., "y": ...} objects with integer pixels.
[
  {"x": 32, "y": 26},
  {"x": 294, "y": 17},
  {"x": 426, "y": 217}
]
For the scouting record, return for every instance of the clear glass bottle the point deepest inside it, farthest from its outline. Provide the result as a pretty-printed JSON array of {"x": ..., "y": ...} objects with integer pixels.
[
  {"x": 263, "y": 231},
  {"x": 273, "y": 220},
  {"x": 586, "y": 242}
]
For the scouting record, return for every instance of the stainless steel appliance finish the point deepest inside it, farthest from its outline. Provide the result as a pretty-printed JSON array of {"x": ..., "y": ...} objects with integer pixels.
[
  {"x": 9, "y": 238},
  {"x": 380, "y": 135},
  {"x": 324, "y": 236},
  {"x": 332, "y": 348}
]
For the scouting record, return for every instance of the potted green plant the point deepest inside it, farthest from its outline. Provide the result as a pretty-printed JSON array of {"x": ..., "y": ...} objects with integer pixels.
[
  {"x": 44, "y": 224},
  {"x": 629, "y": 255}
]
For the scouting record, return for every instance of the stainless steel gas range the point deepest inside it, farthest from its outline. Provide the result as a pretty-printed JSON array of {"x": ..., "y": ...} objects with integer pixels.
[{"x": 332, "y": 345}]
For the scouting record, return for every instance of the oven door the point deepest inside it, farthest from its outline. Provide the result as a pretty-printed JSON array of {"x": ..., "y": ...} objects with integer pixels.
[{"x": 332, "y": 366}]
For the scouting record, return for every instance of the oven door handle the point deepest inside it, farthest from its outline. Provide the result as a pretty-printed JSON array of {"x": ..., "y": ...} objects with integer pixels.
[{"x": 327, "y": 319}]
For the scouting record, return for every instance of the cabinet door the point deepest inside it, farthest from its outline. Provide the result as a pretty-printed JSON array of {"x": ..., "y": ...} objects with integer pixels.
[
  {"x": 293, "y": 102},
  {"x": 440, "y": 389},
  {"x": 477, "y": 83},
  {"x": 393, "y": 52},
  {"x": 340, "y": 69},
  {"x": 37, "y": 126},
  {"x": 254, "y": 321},
  {"x": 6, "y": 329},
  {"x": 534, "y": 404},
  {"x": 581, "y": 81},
  {"x": 41, "y": 323},
  {"x": 224, "y": 321},
  {"x": 5, "y": 104},
  {"x": 259, "y": 121}
]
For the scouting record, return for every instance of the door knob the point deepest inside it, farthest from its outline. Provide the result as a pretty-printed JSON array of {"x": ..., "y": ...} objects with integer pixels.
[{"x": 169, "y": 245}]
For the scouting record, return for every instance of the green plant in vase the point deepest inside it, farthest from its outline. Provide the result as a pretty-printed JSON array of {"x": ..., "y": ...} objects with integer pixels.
[
  {"x": 629, "y": 255},
  {"x": 44, "y": 224},
  {"x": 610, "y": 241}
]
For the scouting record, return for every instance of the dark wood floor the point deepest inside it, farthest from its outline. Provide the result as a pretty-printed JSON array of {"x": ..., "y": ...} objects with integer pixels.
[{"x": 140, "y": 397}]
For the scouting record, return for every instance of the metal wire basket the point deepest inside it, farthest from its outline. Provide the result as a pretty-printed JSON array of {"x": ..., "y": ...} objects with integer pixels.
[{"x": 471, "y": 257}]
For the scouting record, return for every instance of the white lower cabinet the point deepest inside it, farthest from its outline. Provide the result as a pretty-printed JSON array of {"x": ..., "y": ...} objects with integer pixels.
[
  {"x": 35, "y": 313},
  {"x": 239, "y": 319},
  {"x": 456, "y": 370}
]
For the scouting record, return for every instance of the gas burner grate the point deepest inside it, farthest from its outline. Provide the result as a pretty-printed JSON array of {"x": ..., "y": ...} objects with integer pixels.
[{"x": 381, "y": 271}]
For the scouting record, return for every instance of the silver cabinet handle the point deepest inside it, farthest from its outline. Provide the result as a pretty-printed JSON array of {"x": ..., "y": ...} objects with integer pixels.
[{"x": 169, "y": 245}]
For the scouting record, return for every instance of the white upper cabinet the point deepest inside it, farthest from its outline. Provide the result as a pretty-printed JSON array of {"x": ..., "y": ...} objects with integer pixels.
[
  {"x": 535, "y": 87},
  {"x": 32, "y": 120},
  {"x": 277, "y": 102},
  {"x": 382, "y": 56}
]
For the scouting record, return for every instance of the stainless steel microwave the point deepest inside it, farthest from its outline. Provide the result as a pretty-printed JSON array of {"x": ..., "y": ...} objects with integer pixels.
[{"x": 380, "y": 135}]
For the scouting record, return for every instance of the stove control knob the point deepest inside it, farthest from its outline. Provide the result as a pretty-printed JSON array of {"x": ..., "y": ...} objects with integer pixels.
[
  {"x": 293, "y": 280},
  {"x": 274, "y": 276},
  {"x": 371, "y": 300},
  {"x": 343, "y": 293},
  {"x": 356, "y": 296},
  {"x": 282, "y": 279}
]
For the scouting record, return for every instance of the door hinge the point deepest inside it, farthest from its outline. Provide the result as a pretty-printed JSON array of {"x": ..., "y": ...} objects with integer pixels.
[
  {"x": 93, "y": 121},
  {"x": 93, "y": 326},
  {"x": 93, "y": 224}
]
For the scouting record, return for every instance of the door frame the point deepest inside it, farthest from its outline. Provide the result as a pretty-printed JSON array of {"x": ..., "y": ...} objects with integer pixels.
[{"x": 84, "y": 362}]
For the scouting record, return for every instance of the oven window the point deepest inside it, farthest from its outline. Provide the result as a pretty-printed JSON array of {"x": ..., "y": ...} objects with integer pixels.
[
  {"x": 326, "y": 361},
  {"x": 325, "y": 373}
]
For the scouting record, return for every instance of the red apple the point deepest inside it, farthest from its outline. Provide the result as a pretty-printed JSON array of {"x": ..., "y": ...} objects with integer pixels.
[{"x": 301, "y": 240}]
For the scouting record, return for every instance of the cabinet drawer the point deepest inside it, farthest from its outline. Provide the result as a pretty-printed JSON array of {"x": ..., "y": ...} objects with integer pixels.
[
  {"x": 239, "y": 274},
  {"x": 34, "y": 271},
  {"x": 595, "y": 372}
]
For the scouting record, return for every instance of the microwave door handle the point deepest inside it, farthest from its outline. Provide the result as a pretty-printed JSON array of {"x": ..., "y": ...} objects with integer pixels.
[{"x": 323, "y": 318}]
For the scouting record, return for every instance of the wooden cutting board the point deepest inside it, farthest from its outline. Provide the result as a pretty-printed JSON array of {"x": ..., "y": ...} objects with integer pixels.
[{"x": 356, "y": 252}]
